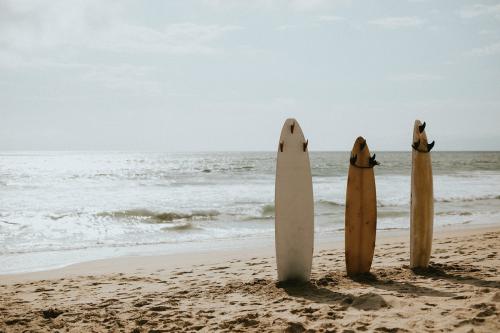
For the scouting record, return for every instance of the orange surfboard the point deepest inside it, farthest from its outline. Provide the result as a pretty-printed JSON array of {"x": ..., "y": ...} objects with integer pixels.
[
  {"x": 422, "y": 199},
  {"x": 360, "y": 210}
]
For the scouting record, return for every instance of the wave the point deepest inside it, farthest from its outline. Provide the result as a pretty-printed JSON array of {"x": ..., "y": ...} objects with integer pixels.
[
  {"x": 268, "y": 211},
  {"x": 181, "y": 227},
  {"x": 56, "y": 217},
  {"x": 243, "y": 168},
  {"x": 452, "y": 213},
  {"x": 154, "y": 217},
  {"x": 392, "y": 214},
  {"x": 8, "y": 222},
  {"x": 468, "y": 199},
  {"x": 381, "y": 203},
  {"x": 330, "y": 203},
  {"x": 256, "y": 218}
]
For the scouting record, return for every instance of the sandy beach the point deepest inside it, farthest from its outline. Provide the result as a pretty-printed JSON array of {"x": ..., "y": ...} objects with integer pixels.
[
  {"x": 179, "y": 166},
  {"x": 237, "y": 291}
]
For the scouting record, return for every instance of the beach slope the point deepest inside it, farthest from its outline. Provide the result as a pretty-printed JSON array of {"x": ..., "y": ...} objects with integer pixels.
[{"x": 459, "y": 292}]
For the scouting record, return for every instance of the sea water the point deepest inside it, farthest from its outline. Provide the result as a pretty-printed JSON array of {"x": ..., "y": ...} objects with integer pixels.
[{"x": 58, "y": 208}]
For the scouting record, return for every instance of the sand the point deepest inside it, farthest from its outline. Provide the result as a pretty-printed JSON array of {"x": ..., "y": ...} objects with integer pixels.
[{"x": 237, "y": 291}]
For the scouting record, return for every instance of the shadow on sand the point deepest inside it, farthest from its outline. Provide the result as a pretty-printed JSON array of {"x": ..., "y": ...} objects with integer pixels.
[
  {"x": 456, "y": 273},
  {"x": 399, "y": 287},
  {"x": 322, "y": 289},
  {"x": 310, "y": 291}
]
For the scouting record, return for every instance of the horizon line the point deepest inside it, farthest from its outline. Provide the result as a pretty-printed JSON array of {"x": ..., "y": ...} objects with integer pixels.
[{"x": 217, "y": 151}]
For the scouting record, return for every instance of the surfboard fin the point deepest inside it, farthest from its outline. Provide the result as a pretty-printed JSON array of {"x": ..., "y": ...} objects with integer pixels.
[
  {"x": 416, "y": 144},
  {"x": 293, "y": 126},
  {"x": 421, "y": 128},
  {"x": 372, "y": 161},
  {"x": 304, "y": 145},
  {"x": 362, "y": 146},
  {"x": 281, "y": 146},
  {"x": 353, "y": 159},
  {"x": 430, "y": 146}
]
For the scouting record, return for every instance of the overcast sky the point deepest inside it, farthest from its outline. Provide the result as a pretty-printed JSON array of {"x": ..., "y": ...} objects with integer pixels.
[{"x": 225, "y": 74}]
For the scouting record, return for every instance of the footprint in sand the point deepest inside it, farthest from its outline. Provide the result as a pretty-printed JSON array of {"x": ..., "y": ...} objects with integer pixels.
[
  {"x": 159, "y": 308},
  {"x": 219, "y": 268}
]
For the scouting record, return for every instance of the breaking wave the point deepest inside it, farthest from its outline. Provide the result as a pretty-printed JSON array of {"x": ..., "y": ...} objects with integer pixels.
[
  {"x": 155, "y": 217},
  {"x": 181, "y": 227},
  {"x": 268, "y": 211},
  {"x": 330, "y": 203}
]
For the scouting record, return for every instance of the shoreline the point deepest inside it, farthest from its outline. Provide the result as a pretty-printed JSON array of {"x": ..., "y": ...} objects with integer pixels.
[
  {"x": 237, "y": 291},
  {"x": 237, "y": 249}
]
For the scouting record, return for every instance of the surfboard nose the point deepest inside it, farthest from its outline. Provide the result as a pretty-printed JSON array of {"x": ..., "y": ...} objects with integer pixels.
[
  {"x": 359, "y": 144},
  {"x": 360, "y": 150},
  {"x": 291, "y": 124},
  {"x": 420, "y": 142},
  {"x": 292, "y": 138}
]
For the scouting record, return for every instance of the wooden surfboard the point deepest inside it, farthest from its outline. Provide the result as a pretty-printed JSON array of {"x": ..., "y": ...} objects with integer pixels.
[
  {"x": 360, "y": 210},
  {"x": 294, "y": 205},
  {"x": 422, "y": 199}
]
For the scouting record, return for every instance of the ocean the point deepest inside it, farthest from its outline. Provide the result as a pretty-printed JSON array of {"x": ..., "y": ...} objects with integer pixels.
[{"x": 59, "y": 208}]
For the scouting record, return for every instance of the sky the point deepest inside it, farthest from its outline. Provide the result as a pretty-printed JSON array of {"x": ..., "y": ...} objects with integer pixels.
[{"x": 217, "y": 75}]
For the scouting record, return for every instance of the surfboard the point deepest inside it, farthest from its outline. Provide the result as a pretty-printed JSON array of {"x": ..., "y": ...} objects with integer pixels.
[
  {"x": 360, "y": 210},
  {"x": 294, "y": 205},
  {"x": 422, "y": 199}
]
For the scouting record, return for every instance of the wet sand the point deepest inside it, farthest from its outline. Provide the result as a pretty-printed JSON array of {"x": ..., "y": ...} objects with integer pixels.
[{"x": 237, "y": 291}]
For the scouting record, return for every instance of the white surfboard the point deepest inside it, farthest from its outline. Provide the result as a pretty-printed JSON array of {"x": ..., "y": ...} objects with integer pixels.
[
  {"x": 422, "y": 199},
  {"x": 294, "y": 205}
]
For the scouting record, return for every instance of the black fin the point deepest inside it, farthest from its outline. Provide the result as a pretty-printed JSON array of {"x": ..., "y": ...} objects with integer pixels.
[
  {"x": 372, "y": 161},
  {"x": 416, "y": 144},
  {"x": 421, "y": 128},
  {"x": 304, "y": 145},
  {"x": 281, "y": 146},
  {"x": 292, "y": 127},
  {"x": 353, "y": 159},
  {"x": 430, "y": 146},
  {"x": 362, "y": 146}
]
